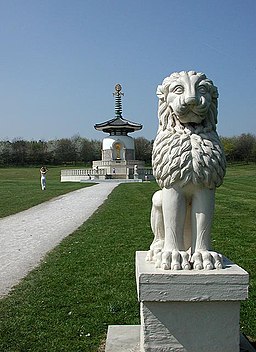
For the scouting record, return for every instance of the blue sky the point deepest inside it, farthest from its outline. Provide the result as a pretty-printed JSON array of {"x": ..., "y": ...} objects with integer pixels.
[{"x": 60, "y": 60}]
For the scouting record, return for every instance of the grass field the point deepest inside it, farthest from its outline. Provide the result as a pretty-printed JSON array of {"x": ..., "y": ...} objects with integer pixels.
[
  {"x": 20, "y": 188},
  {"x": 88, "y": 281}
]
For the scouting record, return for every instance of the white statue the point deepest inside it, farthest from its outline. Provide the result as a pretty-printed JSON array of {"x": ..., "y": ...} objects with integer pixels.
[{"x": 188, "y": 164}]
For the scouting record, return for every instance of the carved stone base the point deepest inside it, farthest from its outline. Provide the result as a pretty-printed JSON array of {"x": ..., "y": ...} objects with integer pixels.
[
  {"x": 185, "y": 311},
  {"x": 126, "y": 338},
  {"x": 190, "y": 310},
  {"x": 193, "y": 327}
]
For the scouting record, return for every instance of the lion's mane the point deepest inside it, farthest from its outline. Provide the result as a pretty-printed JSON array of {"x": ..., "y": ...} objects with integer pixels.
[{"x": 187, "y": 153}]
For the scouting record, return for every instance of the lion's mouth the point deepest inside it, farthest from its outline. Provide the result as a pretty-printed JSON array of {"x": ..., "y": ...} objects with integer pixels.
[
  {"x": 187, "y": 114},
  {"x": 190, "y": 117}
]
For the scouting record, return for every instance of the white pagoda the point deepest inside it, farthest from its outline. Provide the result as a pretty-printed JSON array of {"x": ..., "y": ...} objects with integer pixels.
[{"x": 118, "y": 150}]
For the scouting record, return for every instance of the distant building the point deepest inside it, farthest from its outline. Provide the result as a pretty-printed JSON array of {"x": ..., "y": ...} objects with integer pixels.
[
  {"x": 118, "y": 159},
  {"x": 118, "y": 150}
]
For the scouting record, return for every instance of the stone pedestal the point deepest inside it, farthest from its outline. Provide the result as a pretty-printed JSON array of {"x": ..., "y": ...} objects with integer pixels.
[
  {"x": 190, "y": 311},
  {"x": 184, "y": 311}
]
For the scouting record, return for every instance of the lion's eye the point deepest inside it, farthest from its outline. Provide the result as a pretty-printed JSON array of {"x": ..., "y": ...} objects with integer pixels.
[
  {"x": 202, "y": 89},
  {"x": 178, "y": 90}
]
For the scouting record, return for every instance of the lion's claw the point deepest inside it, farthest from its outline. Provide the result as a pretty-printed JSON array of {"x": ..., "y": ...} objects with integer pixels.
[
  {"x": 166, "y": 260},
  {"x": 173, "y": 260},
  {"x": 177, "y": 260},
  {"x": 207, "y": 260}
]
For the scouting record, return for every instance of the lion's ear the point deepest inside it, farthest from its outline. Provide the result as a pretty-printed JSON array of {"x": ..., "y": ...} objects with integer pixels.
[
  {"x": 160, "y": 92},
  {"x": 163, "y": 108},
  {"x": 161, "y": 96}
]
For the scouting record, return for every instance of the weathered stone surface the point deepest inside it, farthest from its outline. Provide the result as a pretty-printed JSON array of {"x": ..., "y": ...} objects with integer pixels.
[
  {"x": 190, "y": 311},
  {"x": 123, "y": 338},
  {"x": 153, "y": 284},
  {"x": 126, "y": 338}
]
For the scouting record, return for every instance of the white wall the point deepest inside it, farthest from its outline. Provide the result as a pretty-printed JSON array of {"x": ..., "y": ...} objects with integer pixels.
[{"x": 127, "y": 141}]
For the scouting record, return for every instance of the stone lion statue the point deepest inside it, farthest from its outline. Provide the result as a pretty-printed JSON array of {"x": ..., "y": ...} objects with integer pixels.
[{"x": 188, "y": 164}]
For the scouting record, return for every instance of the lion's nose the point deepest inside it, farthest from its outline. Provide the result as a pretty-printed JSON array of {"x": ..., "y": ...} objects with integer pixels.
[{"x": 192, "y": 100}]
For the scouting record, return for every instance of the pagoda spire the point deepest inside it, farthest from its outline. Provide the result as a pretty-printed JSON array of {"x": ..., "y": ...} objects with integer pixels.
[
  {"x": 118, "y": 101},
  {"x": 118, "y": 125}
]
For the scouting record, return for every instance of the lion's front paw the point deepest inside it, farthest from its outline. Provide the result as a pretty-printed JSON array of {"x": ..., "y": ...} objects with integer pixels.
[
  {"x": 152, "y": 255},
  {"x": 174, "y": 260},
  {"x": 155, "y": 248},
  {"x": 207, "y": 260}
]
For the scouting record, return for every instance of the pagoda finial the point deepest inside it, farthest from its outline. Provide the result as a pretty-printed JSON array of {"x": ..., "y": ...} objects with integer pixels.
[{"x": 118, "y": 101}]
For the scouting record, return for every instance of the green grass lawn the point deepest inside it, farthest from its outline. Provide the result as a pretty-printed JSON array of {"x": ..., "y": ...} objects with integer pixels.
[
  {"x": 234, "y": 231},
  {"x": 20, "y": 188},
  {"x": 88, "y": 281}
]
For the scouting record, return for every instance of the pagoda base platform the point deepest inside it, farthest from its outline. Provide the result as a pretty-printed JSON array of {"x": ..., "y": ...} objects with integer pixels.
[
  {"x": 119, "y": 168},
  {"x": 90, "y": 175}
]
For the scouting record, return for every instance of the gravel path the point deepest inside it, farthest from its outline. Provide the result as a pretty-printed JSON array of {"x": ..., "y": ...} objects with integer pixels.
[{"x": 26, "y": 237}]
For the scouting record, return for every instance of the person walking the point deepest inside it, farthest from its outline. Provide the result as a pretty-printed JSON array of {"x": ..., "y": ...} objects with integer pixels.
[{"x": 43, "y": 172}]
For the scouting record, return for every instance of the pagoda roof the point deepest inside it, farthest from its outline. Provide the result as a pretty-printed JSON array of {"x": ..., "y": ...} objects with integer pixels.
[{"x": 118, "y": 124}]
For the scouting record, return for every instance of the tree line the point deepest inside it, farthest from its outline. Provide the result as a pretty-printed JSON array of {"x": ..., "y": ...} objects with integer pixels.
[
  {"x": 73, "y": 150},
  {"x": 78, "y": 150},
  {"x": 237, "y": 149}
]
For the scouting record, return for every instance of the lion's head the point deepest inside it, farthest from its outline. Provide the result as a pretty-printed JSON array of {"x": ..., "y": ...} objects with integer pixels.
[
  {"x": 187, "y": 99},
  {"x": 187, "y": 147}
]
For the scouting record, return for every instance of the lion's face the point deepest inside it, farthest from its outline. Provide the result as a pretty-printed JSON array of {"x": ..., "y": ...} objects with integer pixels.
[
  {"x": 189, "y": 96},
  {"x": 187, "y": 147}
]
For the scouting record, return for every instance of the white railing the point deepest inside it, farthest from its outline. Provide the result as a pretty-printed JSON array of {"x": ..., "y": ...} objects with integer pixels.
[
  {"x": 77, "y": 175},
  {"x": 83, "y": 172},
  {"x": 118, "y": 162}
]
